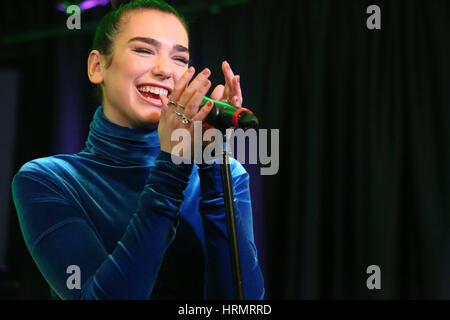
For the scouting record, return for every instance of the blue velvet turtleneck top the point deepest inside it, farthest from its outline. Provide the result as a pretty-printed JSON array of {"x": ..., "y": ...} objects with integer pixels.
[{"x": 136, "y": 225}]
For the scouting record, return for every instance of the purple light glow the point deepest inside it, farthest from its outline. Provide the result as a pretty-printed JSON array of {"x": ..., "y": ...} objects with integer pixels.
[
  {"x": 89, "y": 4},
  {"x": 84, "y": 5},
  {"x": 61, "y": 7}
]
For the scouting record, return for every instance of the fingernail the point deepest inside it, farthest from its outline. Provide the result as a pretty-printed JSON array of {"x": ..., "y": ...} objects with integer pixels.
[
  {"x": 206, "y": 72},
  {"x": 238, "y": 79}
]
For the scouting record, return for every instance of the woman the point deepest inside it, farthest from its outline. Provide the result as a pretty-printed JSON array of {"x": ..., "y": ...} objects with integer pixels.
[{"x": 136, "y": 225}]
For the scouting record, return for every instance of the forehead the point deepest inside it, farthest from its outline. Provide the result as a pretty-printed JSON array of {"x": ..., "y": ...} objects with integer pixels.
[{"x": 161, "y": 26}]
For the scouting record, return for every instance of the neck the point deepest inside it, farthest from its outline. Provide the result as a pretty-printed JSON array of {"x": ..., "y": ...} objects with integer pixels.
[
  {"x": 121, "y": 144},
  {"x": 118, "y": 117}
]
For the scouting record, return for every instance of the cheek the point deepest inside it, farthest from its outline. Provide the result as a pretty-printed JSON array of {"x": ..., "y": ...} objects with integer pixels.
[
  {"x": 135, "y": 68},
  {"x": 129, "y": 67},
  {"x": 178, "y": 73}
]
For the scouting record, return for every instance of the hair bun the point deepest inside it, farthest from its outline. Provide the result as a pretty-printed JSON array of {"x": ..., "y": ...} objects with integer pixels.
[{"x": 116, "y": 3}]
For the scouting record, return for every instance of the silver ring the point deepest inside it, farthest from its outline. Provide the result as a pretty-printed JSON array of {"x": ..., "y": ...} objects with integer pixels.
[
  {"x": 169, "y": 101},
  {"x": 184, "y": 119}
]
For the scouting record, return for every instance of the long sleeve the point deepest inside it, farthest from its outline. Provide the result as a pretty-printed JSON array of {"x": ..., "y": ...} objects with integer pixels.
[
  {"x": 219, "y": 282},
  {"x": 58, "y": 235}
]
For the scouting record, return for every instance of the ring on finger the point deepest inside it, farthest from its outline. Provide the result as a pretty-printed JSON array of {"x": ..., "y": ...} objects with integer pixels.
[
  {"x": 169, "y": 101},
  {"x": 176, "y": 104},
  {"x": 184, "y": 119}
]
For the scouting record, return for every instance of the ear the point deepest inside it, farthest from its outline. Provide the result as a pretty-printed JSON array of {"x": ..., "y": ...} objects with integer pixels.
[{"x": 96, "y": 62}]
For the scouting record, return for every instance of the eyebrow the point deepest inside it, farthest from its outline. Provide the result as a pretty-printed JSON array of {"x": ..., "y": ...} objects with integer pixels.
[{"x": 157, "y": 44}]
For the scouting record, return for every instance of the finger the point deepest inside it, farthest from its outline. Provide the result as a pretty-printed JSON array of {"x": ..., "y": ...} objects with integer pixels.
[
  {"x": 164, "y": 106},
  {"x": 199, "y": 81},
  {"x": 226, "y": 93},
  {"x": 217, "y": 93},
  {"x": 165, "y": 115},
  {"x": 235, "y": 101},
  {"x": 182, "y": 83},
  {"x": 193, "y": 104},
  {"x": 228, "y": 74},
  {"x": 164, "y": 100},
  {"x": 203, "y": 113},
  {"x": 238, "y": 100}
]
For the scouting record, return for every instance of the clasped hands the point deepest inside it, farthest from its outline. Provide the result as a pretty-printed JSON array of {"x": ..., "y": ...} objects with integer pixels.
[{"x": 182, "y": 107}]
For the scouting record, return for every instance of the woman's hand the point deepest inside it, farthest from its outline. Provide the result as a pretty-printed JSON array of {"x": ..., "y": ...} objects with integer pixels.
[
  {"x": 188, "y": 98},
  {"x": 231, "y": 92}
]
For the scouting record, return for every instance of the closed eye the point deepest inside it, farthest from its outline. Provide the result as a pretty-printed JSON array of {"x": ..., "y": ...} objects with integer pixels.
[
  {"x": 182, "y": 60},
  {"x": 146, "y": 51}
]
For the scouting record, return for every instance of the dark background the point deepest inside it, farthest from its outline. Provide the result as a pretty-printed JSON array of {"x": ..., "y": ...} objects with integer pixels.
[{"x": 364, "y": 134}]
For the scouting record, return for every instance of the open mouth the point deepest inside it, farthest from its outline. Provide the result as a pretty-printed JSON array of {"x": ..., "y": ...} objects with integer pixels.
[{"x": 151, "y": 93}]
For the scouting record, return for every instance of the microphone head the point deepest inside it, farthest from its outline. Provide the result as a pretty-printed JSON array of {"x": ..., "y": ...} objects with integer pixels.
[
  {"x": 224, "y": 115},
  {"x": 248, "y": 120}
]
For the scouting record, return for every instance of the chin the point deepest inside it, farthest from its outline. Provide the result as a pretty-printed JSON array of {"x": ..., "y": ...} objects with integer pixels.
[{"x": 149, "y": 118}]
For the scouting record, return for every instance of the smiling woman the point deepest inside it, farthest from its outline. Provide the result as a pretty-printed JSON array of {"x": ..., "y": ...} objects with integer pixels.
[
  {"x": 151, "y": 49},
  {"x": 132, "y": 222}
]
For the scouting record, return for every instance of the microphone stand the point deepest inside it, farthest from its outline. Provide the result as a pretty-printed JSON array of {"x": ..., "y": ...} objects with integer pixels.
[{"x": 227, "y": 184}]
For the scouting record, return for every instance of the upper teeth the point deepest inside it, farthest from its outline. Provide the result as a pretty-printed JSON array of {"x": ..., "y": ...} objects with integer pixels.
[{"x": 155, "y": 90}]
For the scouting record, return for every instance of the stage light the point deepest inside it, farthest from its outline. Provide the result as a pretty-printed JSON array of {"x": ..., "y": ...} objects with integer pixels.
[{"x": 84, "y": 5}]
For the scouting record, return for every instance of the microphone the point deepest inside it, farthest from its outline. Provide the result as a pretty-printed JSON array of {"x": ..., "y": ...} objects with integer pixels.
[{"x": 223, "y": 116}]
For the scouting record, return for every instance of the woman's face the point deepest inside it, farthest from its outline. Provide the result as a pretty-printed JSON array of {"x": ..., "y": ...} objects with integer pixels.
[{"x": 150, "y": 54}]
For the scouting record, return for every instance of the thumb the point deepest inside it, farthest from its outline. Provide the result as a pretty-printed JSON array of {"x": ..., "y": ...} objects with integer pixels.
[{"x": 217, "y": 93}]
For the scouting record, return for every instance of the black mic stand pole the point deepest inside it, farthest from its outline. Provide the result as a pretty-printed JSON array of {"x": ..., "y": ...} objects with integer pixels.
[{"x": 227, "y": 184}]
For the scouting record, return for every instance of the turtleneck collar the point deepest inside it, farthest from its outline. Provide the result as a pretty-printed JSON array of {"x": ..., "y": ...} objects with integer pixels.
[{"x": 119, "y": 144}]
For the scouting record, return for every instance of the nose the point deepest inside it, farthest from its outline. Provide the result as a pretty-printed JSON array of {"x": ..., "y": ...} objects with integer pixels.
[{"x": 162, "y": 69}]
